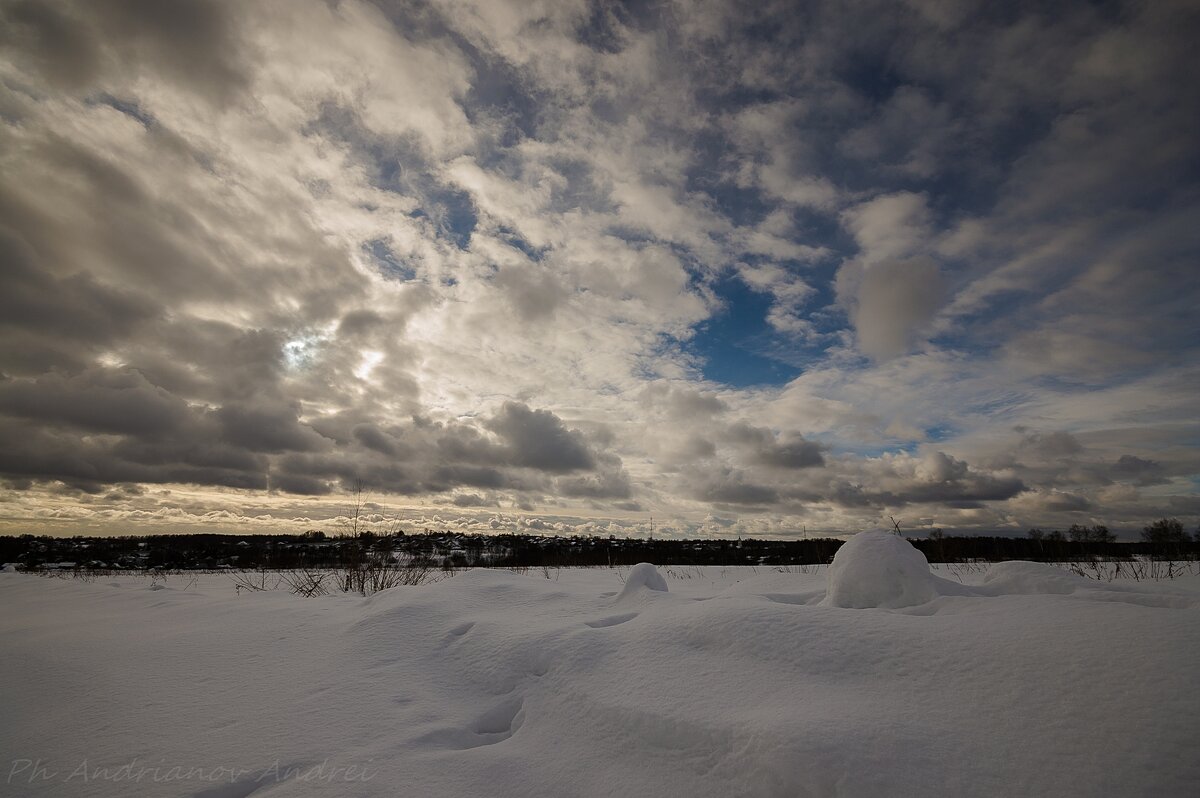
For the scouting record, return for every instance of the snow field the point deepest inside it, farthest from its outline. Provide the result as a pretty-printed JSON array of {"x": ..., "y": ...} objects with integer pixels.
[{"x": 1029, "y": 681}]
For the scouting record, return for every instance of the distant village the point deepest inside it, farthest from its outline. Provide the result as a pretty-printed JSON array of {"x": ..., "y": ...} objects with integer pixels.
[
  {"x": 315, "y": 549},
  {"x": 451, "y": 550}
]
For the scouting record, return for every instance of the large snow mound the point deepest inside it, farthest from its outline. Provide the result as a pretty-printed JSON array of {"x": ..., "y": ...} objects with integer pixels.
[
  {"x": 643, "y": 576},
  {"x": 879, "y": 569}
]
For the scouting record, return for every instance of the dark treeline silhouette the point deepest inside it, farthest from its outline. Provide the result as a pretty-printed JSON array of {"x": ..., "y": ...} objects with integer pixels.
[
  {"x": 316, "y": 550},
  {"x": 1164, "y": 539},
  {"x": 998, "y": 549}
]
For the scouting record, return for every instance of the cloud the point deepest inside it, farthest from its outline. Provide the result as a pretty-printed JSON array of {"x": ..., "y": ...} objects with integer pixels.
[
  {"x": 96, "y": 400},
  {"x": 494, "y": 255},
  {"x": 933, "y": 478},
  {"x": 538, "y": 439},
  {"x": 763, "y": 447},
  {"x": 681, "y": 401},
  {"x": 59, "y": 320},
  {"x": 1049, "y": 445},
  {"x": 1054, "y": 501},
  {"x": 733, "y": 491},
  {"x": 1140, "y": 472},
  {"x": 77, "y": 45},
  {"x": 608, "y": 484},
  {"x": 795, "y": 453},
  {"x": 470, "y": 500},
  {"x": 910, "y": 133},
  {"x": 374, "y": 438},
  {"x": 890, "y": 227},
  {"x": 892, "y": 288},
  {"x": 267, "y": 427},
  {"x": 895, "y": 301}
]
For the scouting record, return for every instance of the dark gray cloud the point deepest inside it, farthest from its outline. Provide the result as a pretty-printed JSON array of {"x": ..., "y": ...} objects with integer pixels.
[
  {"x": 761, "y": 446},
  {"x": 96, "y": 400},
  {"x": 735, "y": 492},
  {"x": 610, "y": 483},
  {"x": 80, "y": 45},
  {"x": 53, "y": 40},
  {"x": 538, "y": 439},
  {"x": 267, "y": 427},
  {"x": 935, "y": 479},
  {"x": 471, "y": 500},
  {"x": 979, "y": 488},
  {"x": 104, "y": 426},
  {"x": 1131, "y": 468},
  {"x": 425, "y": 456},
  {"x": 793, "y": 453},
  {"x": 57, "y": 321},
  {"x": 472, "y": 476},
  {"x": 1049, "y": 445},
  {"x": 90, "y": 463},
  {"x": 375, "y": 439}
]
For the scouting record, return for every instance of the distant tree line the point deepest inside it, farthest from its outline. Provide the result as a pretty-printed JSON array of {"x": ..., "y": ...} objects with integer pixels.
[{"x": 1163, "y": 539}]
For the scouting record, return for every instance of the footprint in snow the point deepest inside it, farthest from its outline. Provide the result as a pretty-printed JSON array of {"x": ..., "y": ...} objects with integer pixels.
[
  {"x": 612, "y": 620},
  {"x": 238, "y": 789},
  {"x": 458, "y": 631},
  {"x": 492, "y": 727}
]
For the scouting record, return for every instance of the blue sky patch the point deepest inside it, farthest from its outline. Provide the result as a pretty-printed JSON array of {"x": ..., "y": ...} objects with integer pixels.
[
  {"x": 736, "y": 344},
  {"x": 386, "y": 261}
]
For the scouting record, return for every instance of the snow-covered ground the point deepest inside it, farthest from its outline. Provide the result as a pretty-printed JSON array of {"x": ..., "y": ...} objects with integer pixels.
[{"x": 875, "y": 678}]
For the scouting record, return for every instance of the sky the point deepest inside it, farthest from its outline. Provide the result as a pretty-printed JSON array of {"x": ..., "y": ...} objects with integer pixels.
[{"x": 768, "y": 269}]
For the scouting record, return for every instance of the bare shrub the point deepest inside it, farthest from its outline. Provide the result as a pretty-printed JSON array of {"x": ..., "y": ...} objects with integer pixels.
[
  {"x": 255, "y": 580},
  {"x": 375, "y": 572},
  {"x": 308, "y": 582},
  {"x": 1139, "y": 570}
]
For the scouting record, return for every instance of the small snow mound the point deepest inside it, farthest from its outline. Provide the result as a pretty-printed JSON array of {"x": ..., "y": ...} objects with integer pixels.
[
  {"x": 1023, "y": 578},
  {"x": 643, "y": 575},
  {"x": 879, "y": 569}
]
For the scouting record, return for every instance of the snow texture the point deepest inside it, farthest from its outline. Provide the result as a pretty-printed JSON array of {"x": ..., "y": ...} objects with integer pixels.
[
  {"x": 1024, "y": 681},
  {"x": 879, "y": 569}
]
